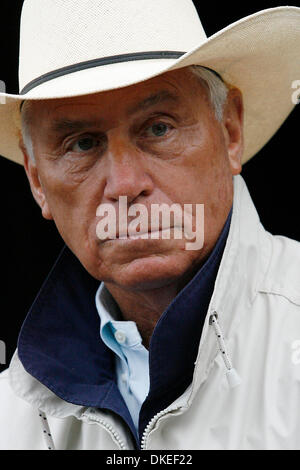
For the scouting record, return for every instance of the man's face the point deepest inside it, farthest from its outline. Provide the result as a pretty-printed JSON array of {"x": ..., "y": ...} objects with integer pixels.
[{"x": 155, "y": 142}]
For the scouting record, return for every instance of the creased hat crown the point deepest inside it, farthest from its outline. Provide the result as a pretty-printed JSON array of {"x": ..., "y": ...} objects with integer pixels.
[{"x": 59, "y": 33}]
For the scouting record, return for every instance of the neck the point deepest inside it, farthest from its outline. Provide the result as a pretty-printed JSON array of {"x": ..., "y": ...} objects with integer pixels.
[{"x": 145, "y": 307}]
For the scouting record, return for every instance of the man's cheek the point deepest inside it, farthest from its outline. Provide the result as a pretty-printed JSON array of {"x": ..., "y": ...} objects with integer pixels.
[
  {"x": 67, "y": 172},
  {"x": 63, "y": 192}
]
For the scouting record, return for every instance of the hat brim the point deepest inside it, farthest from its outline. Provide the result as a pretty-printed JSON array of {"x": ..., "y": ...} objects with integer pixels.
[{"x": 259, "y": 54}]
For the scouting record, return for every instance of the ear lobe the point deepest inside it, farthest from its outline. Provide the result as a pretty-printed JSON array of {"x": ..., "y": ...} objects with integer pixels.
[
  {"x": 46, "y": 211},
  {"x": 35, "y": 184}
]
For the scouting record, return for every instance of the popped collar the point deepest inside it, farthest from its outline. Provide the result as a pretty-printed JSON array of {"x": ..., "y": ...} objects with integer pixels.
[{"x": 59, "y": 342}]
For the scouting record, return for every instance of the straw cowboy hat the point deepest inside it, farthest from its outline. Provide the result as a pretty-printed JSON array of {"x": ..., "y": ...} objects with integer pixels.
[{"x": 76, "y": 47}]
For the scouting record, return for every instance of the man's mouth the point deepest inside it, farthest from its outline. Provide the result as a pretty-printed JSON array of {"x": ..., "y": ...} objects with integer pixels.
[{"x": 154, "y": 234}]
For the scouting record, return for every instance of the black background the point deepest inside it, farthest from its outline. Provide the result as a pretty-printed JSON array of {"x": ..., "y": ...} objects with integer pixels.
[{"x": 30, "y": 244}]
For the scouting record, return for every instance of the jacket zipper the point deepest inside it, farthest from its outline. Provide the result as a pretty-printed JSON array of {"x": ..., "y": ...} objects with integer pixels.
[
  {"x": 152, "y": 423},
  {"x": 111, "y": 430}
]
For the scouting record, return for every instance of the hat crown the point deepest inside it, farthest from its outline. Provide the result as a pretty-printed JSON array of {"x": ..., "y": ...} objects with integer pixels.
[{"x": 60, "y": 33}]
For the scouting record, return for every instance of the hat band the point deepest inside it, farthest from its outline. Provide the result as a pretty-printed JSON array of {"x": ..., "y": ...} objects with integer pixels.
[{"x": 98, "y": 62}]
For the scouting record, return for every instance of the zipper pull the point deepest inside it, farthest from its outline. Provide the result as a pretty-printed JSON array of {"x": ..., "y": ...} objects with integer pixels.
[
  {"x": 46, "y": 431},
  {"x": 232, "y": 376}
]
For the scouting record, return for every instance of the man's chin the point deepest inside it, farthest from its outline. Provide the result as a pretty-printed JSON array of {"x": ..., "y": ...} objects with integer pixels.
[
  {"x": 149, "y": 272},
  {"x": 140, "y": 264}
]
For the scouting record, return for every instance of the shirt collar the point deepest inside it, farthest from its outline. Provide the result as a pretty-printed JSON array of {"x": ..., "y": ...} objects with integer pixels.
[
  {"x": 106, "y": 306},
  {"x": 109, "y": 322}
]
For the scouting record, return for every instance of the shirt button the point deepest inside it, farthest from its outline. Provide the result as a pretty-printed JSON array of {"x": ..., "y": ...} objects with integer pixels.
[{"x": 120, "y": 336}]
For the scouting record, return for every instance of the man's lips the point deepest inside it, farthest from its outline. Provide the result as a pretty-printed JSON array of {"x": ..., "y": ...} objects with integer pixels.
[{"x": 154, "y": 234}]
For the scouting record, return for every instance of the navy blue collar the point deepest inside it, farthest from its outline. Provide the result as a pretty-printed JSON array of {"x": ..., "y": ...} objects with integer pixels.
[{"x": 59, "y": 342}]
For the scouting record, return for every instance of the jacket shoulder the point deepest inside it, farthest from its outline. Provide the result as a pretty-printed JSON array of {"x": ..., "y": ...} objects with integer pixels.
[
  {"x": 8, "y": 399},
  {"x": 283, "y": 273},
  {"x": 4, "y": 385},
  {"x": 20, "y": 427}
]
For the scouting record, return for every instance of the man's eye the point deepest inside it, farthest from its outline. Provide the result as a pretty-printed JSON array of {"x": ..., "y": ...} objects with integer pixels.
[
  {"x": 84, "y": 144},
  {"x": 157, "y": 130}
]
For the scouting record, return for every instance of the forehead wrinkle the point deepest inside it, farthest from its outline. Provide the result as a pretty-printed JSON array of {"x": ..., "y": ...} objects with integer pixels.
[
  {"x": 66, "y": 124},
  {"x": 152, "y": 100}
]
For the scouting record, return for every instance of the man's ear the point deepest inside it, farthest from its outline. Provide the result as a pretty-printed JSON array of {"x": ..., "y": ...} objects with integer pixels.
[
  {"x": 233, "y": 128},
  {"x": 35, "y": 184}
]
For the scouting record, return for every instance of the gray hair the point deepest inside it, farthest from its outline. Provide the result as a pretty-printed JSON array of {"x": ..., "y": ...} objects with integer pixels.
[
  {"x": 25, "y": 128},
  {"x": 218, "y": 91}
]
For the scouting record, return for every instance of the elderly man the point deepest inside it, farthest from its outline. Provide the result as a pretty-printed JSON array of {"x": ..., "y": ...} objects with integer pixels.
[{"x": 136, "y": 340}]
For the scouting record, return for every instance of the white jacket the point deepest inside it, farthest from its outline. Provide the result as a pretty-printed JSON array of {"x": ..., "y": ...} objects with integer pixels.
[{"x": 257, "y": 302}]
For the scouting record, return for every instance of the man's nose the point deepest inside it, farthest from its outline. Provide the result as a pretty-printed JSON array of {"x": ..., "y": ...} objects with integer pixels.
[{"x": 126, "y": 174}]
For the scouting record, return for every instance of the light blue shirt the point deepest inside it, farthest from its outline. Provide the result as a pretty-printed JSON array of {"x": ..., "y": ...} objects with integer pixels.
[{"x": 132, "y": 358}]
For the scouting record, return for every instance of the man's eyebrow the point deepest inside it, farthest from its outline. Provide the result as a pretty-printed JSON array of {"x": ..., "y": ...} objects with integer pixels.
[
  {"x": 60, "y": 125},
  {"x": 64, "y": 124},
  {"x": 152, "y": 100}
]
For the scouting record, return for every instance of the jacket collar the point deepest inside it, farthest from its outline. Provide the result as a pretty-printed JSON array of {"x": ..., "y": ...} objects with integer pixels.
[
  {"x": 60, "y": 346},
  {"x": 242, "y": 270},
  {"x": 239, "y": 273}
]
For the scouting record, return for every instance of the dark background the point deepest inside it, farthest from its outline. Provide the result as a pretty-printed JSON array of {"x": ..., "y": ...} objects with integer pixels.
[{"x": 30, "y": 244}]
